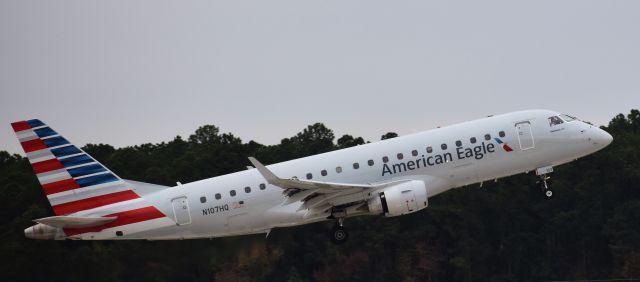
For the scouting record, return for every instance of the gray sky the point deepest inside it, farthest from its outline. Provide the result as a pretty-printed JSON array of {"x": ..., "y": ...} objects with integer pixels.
[{"x": 130, "y": 72}]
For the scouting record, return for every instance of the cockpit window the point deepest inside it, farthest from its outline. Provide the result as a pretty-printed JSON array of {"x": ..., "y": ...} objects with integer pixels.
[
  {"x": 554, "y": 120},
  {"x": 568, "y": 118}
]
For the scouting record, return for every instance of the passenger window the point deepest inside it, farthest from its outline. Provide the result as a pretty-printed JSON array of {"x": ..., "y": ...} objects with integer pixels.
[
  {"x": 262, "y": 186},
  {"x": 554, "y": 120},
  {"x": 487, "y": 137},
  {"x": 443, "y": 146},
  {"x": 323, "y": 173},
  {"x": 218, "y": 196},
  {"x": 338, "y": 169},
  {"x": 473, "y": 140},
  {"x": 232, "y": 193},
  {"x": 385, "y": 159},
  {"x": 247, "y": 189},
  {"x": 203, "y": 200},
  {"x": 429, "y": 150},
  {"x": 356, "y": 165},
  {"x": 501, "y": 134},
  {"x": 370, "y": 162},
  {"x": 414, "y": 153},
  {"x": 459, "y": 143},
  {"x": 400, "y": 156},
  {"x": 309, "y": 175}
]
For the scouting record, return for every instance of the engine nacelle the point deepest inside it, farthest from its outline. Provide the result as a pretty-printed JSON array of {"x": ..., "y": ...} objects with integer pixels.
[{"x": 404, "y": 198}]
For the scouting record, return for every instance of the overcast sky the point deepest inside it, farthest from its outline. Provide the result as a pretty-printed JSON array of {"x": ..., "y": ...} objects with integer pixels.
[{"x": 131, "y": 72}]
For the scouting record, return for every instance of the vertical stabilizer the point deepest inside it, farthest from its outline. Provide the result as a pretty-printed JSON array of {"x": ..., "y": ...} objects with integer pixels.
[{"x": 71, "y": 179}]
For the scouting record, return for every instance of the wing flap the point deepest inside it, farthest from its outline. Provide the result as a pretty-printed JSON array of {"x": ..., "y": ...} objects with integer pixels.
[{"x": 298, "y": 196}]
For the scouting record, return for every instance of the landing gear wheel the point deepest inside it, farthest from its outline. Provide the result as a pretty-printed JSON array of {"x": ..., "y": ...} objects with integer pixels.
[
  {"x": 548, "y": 193},
  {"x": 544, "y": 187},
  {"x": 338, "y": 235}
]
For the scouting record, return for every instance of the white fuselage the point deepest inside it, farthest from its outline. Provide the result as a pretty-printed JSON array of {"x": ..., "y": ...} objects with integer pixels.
[{"x": 197, "y": 213}]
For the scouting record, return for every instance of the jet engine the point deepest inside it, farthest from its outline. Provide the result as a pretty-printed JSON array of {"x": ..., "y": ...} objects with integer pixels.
[{"x": 400, "y": 199}]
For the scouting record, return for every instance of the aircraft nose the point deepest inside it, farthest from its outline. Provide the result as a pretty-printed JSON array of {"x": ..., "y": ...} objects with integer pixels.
[{"x": 602, "y": 138}]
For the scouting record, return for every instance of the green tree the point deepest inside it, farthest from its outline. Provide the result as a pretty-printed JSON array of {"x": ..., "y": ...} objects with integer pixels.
[
  {"x": 207, "y": 134},
  {"x": 504, "y": 231},
  {"x": 389, "y": 135},
  {"x": 347, "y": 141}
]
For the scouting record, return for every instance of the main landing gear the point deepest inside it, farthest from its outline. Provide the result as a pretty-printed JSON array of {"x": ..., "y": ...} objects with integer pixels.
[{"x": 338, "y": 233}]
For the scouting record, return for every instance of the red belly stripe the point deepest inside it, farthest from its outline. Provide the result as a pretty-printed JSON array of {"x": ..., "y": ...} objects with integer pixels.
[{"x": 124, "y": 218}]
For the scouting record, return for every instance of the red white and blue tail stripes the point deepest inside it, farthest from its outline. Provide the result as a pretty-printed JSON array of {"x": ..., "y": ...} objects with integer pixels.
[
  {"x": 75, "y": 182},
  {"x": 71, "y": 179}
]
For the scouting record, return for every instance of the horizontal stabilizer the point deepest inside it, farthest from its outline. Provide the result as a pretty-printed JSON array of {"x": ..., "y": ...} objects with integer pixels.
[{"x": 74, "y": 221}]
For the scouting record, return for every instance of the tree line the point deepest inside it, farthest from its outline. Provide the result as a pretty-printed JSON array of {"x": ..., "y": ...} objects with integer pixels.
[{"x": 503, "y": 231}]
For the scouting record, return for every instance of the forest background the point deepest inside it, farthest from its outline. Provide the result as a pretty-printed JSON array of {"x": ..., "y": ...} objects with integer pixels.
[{"x": 503, "y": 231}]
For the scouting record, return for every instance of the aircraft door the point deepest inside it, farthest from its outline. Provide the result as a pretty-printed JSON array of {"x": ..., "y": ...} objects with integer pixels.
[
  {"x": 525, "y": 135},
  {"x": 181, "y": 213}
]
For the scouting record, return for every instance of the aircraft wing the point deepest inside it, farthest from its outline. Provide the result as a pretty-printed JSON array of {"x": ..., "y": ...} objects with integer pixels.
[
  {"x": 317, "y": 194},
  {"x": 327, "y": 187}
]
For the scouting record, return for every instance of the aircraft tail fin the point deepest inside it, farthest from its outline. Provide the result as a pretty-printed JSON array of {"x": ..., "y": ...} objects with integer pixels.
[{"x": 71, "y": 179}]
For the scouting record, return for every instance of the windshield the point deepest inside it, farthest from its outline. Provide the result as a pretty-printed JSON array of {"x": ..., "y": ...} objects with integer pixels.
[
  {"x": 555, "y": 120},
  {"x": 568, "y": 118}
]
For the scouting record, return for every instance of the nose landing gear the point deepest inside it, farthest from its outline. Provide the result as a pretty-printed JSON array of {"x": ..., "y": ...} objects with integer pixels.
[
  {"x": 544, "y": 187},
  {"x": 338, "y": 233}
]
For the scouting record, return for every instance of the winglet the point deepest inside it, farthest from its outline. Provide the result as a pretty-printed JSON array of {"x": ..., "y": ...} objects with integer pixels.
[{"x": 266, "y": 173}]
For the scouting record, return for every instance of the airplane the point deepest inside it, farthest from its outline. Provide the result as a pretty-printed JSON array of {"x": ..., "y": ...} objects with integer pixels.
[{"x": 387, "y": 178}]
